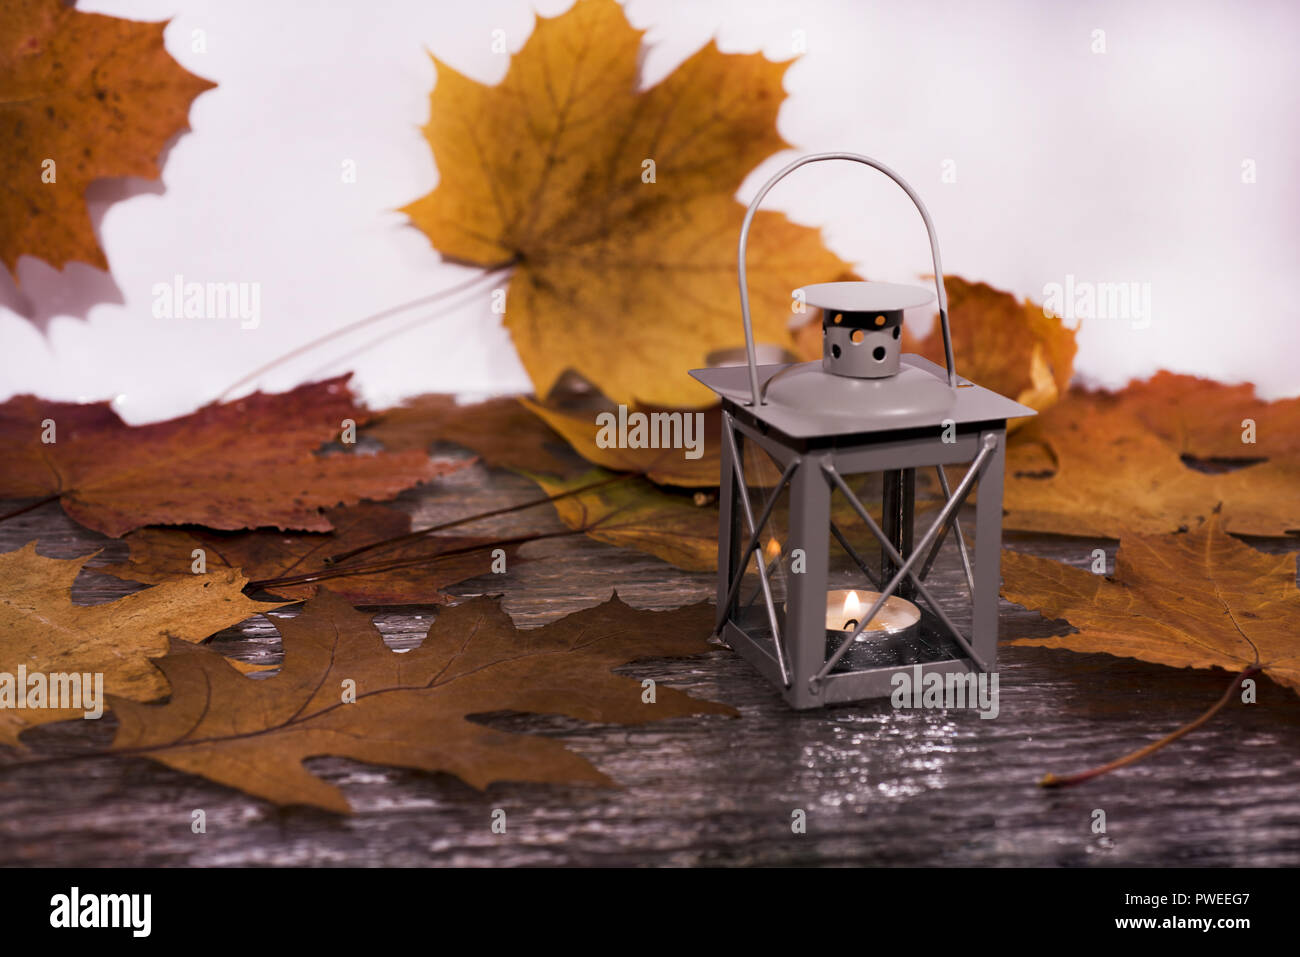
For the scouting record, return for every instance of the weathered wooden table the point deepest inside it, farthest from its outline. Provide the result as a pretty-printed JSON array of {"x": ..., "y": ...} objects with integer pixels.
[{"x": 879, "y": 786}]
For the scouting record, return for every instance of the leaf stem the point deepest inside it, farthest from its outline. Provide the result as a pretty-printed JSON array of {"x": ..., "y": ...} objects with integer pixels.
[
  {"x": 32, "y": 505},
  {"x": 1052, "y": 781},
  {"x": 367, "y": 568},
  {"x": 368, "y": 320}
]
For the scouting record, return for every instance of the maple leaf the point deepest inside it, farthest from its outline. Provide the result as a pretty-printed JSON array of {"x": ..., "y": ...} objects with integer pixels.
[
  {"x": 501, "y": 431},
  {"x": 42, "y": 629},
  {"x": 1197, "y": 600},
  {"x": 97, "y": 95},
  {"x": 1093, "y": 465},
  {"x": 628, "y": 281},
  {"x": 411, "y": 709},
  {"x": 166, "y": 554},
  {"x": 632, "y": 513},
  {"x": 1003, "y": 344},
  {"x": 663, "y": 466},
  {"x": 242, "y": 464},
  {"x": 1212, "y": 422}
]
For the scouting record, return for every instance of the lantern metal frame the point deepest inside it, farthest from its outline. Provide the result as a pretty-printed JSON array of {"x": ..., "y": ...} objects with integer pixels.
[{"x": 816, "y": 445}]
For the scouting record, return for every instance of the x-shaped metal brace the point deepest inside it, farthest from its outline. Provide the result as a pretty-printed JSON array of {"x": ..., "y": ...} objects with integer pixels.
[{"x": 755, "y": 533}]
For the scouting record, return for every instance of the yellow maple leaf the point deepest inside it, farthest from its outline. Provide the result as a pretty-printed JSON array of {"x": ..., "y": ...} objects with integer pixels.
[
  {"x": 43, "y": 631},
  {"x": 616, "y": 206}
]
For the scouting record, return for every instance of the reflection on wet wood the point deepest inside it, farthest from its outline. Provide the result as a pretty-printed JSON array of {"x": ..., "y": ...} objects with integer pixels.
[{"x": 879, "y": 786}]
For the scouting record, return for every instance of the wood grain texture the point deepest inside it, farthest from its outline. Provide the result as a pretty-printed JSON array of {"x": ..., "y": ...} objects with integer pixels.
[{"x": 879, "y": 786}]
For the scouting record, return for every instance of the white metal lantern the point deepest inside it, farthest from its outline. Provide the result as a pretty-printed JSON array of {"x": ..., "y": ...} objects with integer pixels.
[{"x": 821, "y": 580}]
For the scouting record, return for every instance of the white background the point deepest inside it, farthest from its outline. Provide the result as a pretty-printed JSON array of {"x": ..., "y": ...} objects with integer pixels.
[{"x": 1115, "y": 167}]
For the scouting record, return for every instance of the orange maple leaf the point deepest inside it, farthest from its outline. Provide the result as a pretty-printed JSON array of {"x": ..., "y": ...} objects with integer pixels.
[{"x": 82, "y": 96}]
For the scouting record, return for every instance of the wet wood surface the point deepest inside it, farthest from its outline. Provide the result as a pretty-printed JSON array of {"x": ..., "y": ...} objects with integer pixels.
[{"x": 878, "y": 786}]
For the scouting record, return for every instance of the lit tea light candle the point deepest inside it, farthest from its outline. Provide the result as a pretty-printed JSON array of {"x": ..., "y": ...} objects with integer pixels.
[
  {"x": 845, "y": 608},
  {"x": 849, "y": 615}
]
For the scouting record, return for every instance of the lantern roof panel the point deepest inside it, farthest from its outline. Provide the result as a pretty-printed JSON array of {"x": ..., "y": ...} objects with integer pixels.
[{"x": 804, "y": 402}]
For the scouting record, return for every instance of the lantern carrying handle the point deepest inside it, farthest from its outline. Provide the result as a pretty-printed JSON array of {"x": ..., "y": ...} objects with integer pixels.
[{"x": 758, "y": 398}]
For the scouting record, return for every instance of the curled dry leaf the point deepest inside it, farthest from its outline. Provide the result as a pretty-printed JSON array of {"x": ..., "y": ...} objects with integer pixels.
[
  {"x": 998, "y": 342},
  {"x": 167, "y": 554},
  {"x": 633, "y": 513},
  {"x": 1003, "y": 344},
  {"x": 616, "y": 205},
  {"x": 95, "y": 95},
  {"x": 1113, "y": 464},
  {"x": 629, "y": 511},
  {"x": 678, "y": 528},
  {"x": 1196, "y": 600},
  {"x": 42, "y": 629},
  {"x": 411, "y": 709},
  {"x": 242, "y": 464},
  {"x": 665, "y": 465}
]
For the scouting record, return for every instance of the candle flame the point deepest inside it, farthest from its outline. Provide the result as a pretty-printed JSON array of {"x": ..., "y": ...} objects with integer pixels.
[{"x": 852, "y": 606}]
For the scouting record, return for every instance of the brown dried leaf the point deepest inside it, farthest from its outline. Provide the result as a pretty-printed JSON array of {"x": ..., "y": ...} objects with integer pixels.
[
  {"x": 1094, "y": 465},
  {"x": 1199, "y": 600},
  {"x": 97, "y": 95},
  {"x": 627, "y": 281},
  {"x": 243, "y": 464},
  {"x": 1002, "y": 344},
  {"x": 1210, "y": 421},
  {"x": 42, "y": 629},
  {"x": 166, "y": 554},
  {"x": 501, "y": 431},
  {"x": 411, "y": 709}
]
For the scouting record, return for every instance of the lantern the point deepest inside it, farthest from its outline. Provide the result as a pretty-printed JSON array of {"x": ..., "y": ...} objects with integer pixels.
[{"x": 822, "y": 570}]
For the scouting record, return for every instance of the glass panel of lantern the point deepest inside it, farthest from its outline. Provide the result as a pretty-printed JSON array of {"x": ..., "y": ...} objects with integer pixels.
[{"x": 906, "y": 631}]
